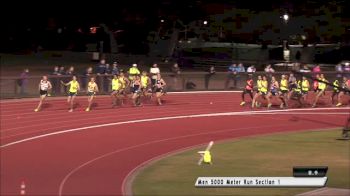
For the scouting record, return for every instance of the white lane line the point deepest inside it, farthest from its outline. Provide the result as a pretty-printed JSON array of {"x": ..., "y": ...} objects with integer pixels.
[
  {"x": 65, "y": 179},
  {"x": 310, "y": 113},
  {"x": 82, "y": 97},
  {"x": 160, "y": 119}
]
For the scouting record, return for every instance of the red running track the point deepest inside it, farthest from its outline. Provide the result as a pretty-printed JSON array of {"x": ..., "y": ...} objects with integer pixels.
[{"x": 91, "y": 153}]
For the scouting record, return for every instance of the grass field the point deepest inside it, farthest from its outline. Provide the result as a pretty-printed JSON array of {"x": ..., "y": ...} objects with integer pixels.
[{"x": 273, "y": 155}]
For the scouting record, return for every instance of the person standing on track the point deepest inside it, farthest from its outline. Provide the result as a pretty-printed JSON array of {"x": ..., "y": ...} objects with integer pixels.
[
  {"x": 92, "y": 89},
  {"x": 44, "y": 86},
  {"x": 159, "y": 88},
  {"x": 321, "y": 89},
  {"x": 74, "y": 87},
  {"x": 345, "y": 85},
  {"x": 248, "y": 89}
]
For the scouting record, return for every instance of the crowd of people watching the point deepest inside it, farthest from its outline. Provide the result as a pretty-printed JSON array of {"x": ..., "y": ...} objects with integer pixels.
[{"x": 104, "y": 72}]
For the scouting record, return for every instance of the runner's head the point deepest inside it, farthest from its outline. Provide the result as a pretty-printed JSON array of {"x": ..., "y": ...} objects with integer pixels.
[
  {"x": 92, "y": 79},
  {"x": 273, "y": 78},
  {"x": 74, "y": 78},
  {"x": 45, "y": 78}
]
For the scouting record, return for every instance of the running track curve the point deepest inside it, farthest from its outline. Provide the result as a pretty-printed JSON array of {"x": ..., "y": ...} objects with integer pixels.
[{"x": 91, "y": 153}]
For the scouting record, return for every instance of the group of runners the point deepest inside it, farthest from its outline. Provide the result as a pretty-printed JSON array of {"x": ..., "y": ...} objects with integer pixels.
[
  {"x": 140, "y": 86},
  {"x": 122, "y": 87},
  {"x": 292, "y": 89}
]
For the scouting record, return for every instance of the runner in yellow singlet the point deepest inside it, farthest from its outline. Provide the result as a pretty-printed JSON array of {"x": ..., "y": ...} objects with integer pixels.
[
  {"x": 116, "y": 90},
  {"x": 284, "y": 91},
  {"x": 262, "y": 92},
  {"x": 146, "y": 86},
  {"x": 92, "y": 89},
  {"x": 322, "y": 86},
  {"x": 74, "y": 87}
]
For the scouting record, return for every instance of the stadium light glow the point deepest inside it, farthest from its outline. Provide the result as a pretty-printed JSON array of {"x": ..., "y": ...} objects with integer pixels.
[
  {"x": 205, "y": 22},
  {"x": 285, "y": 17}
]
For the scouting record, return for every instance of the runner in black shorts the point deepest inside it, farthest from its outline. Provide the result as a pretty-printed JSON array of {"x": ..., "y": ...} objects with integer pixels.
[
  {"x": 284, "y": 91},
  {"x": 44, "y": 86},
  {"x": 159, "y": 88},
  {"x": 345, "y": 85},
  {"x": 248, "y": 89},
  {"x": 296, "y": 92},
  {"x": 92, "y": 89},
  {"x": 274, "y": 89},
  {"x": 336, "y": 90},
  {"x": 136, "y": 90},
  {"x": 305, "y": 87}
]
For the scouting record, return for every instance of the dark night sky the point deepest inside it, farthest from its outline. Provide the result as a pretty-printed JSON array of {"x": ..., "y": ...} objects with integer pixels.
[
  {"x": 182, "y": 8},
  {"x": 137, "y": 16}
]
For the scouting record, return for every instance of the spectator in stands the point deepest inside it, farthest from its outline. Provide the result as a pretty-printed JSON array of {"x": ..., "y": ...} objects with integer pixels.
[
  {"x": 70, "y": 71},
  {"x": 86, "y": 77},
  {"x": 101, "y": 67},
  {"x": 232, "y": 75},
  {"x": 106, "y": 78},
  {"x": 305, "y": 69},
  {"x": 339, "y": 70},
  {"x": 55, "y": 81},
  {"x": 175, "y": 69},
  {"x": 207, "y": 76},
  {"x": 296, "y": 67},
  {"x": 316, "y": 69},
  {"x": 115, "y": 69},
  {"x": 63, "y": 78},
  {"x": 133, "y": 71},
  {"x": 291, "y": 80},
  {"x": 346, "y": 69},
  {"x": 100, "y": 71},
  {"x": 62, "y": 71},
  {"x": 23, "y": 81},
  {"x": 251, "y": 69},
  {"x": 240, "y": 68},
  {"x": 269, "y": 69},
  {"x": 154, "y": 71}
]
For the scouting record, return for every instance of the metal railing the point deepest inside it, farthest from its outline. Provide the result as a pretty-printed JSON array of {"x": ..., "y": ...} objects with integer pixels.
[{"x": 11, "y": 87}]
